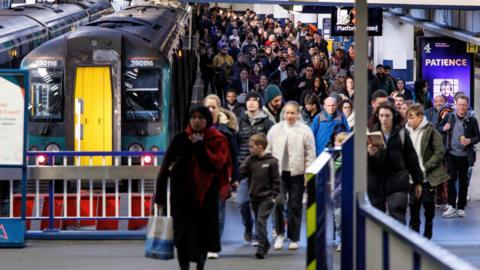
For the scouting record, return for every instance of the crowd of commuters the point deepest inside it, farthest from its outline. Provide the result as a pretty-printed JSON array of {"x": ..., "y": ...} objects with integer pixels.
[{"x": 279, "y": 98}]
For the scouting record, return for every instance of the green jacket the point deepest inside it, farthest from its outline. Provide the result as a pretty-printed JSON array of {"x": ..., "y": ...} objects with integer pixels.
[{"x": 432, "y": 154}]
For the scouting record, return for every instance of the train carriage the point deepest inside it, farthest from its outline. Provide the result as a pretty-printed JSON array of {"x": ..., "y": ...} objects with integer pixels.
[{"x": 122, "y": 82}]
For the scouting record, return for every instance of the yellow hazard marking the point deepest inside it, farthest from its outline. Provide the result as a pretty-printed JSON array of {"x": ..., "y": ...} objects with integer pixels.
[
  {"x": 312, "y": 265},
  {"x": 311, "y": 219}
]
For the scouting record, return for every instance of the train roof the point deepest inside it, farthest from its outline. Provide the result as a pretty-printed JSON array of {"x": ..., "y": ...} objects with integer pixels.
[
  {"x": 154, "y": 24},
  {"x": 44, "y": 13},
  {"x": 13, "y": 25}
]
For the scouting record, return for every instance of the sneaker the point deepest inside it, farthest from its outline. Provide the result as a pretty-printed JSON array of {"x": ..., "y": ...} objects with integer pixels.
[
  {"x": 451, "y": 212},
  {"x": 294, "y": 245},
  {"x": 247, "y": 236},
  {"x": 259, "y": 255},
  {"x": 255, "y": 243},
  {"x": 279, "y": 242},
  {"x": 212, "y": 255},
  {"x": 460, "y": 213},
  {"x": 305, "y": 198},
  {"x": 469, "y": 198},
  {"x": 339, "y": 248}
]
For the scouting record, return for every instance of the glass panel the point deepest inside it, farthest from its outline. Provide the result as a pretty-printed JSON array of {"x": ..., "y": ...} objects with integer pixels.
[
  {"x": 142, "y": 94},
  {"x": 46, "y": 98}
]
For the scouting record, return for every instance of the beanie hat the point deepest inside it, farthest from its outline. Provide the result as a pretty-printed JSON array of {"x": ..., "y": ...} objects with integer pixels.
[
  {"x": 204, "y": 111},
  {"x": 272, "y": 91},
  {"x": 256, "y": 96}
]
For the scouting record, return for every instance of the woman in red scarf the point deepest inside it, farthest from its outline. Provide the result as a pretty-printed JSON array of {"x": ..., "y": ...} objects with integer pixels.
[{"x": 197, "y": 162}]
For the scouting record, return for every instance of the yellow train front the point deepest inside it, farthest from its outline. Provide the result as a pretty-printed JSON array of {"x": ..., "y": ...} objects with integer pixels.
[{"x": 121, "y": 83}]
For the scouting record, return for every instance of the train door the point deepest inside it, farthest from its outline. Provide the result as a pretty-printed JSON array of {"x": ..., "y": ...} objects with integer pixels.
[{"x": 93, "y": 113}]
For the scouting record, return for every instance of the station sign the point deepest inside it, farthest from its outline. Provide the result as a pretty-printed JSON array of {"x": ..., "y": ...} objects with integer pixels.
[
  {"x": 447, "y": 66},
  {"x": 12, "y": 118},
  {"x": 344, "y": 21}
]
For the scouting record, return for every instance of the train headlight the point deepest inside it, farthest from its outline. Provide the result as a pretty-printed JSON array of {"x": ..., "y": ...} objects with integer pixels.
[
  {"x": 155, "y": 148},
  {"x": 41, "y": 159},
  {"x": 147, "y": 160},
  {"x": 135, "y": 147},
  {"x": 52, "y": 147}
]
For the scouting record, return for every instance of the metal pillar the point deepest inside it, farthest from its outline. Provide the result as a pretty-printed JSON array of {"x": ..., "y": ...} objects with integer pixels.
[{"x": 360, "y": 105}]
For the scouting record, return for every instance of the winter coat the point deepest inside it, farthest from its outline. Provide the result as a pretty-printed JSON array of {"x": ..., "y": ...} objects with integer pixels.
[
  {"x": 300, "y": 142},
  {"x": 186, "y": 164},
  {"x": 238, "y": 110},
  {"x": 247, "y": 128},
  {"x": 324, "y": 126},
  {"x": 228, "y": 126},
  {"x": 307, "y": 117},
  {"x": 263, "y": 176},
  {"x": 470, "y": 126},
  {"x": 389, "y": 169},
  {"x": 432, "y": 153}
]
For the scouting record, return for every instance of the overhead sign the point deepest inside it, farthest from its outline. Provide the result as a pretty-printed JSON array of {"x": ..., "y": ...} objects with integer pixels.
[
  {"x": 12, "y": 118},
  {"x": 447, "y": 67},
  {"x": 12, "y": 233},
  {"x": 344, "y": 21}
]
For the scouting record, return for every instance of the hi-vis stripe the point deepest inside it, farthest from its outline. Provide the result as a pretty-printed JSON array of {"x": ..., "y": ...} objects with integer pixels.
[{"x": 311, "y": 223}]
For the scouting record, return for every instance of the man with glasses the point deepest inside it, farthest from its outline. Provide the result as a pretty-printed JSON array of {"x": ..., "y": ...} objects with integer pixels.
[
  {"x": 306, "y": 81},
  {"x": 339, "y": 86}
]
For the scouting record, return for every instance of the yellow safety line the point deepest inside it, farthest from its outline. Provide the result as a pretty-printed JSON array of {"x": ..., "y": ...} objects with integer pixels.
[{"x": 311, "y": 219}]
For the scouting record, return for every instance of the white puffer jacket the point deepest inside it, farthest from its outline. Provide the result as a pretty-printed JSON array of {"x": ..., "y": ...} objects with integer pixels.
[{"x": 301, "y": 145}]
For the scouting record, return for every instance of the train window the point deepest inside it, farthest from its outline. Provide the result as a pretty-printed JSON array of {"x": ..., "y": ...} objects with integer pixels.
[
  {"x": 142, "y": 94},
  {"x": 46, "y": 96}
]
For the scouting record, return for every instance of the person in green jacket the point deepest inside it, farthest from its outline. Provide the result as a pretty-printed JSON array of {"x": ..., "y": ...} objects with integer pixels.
[{"x": 429, "y": 147}]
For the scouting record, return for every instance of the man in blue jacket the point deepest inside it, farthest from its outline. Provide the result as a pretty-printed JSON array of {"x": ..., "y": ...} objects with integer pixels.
[{"x": 328, "y": 123}]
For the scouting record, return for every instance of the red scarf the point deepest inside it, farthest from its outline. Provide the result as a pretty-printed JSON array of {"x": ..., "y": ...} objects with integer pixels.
[{"x": 218, "y": 155}]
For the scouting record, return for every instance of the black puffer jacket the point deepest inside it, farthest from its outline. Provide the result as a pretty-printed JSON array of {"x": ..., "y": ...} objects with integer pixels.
[
  {"x": 263, "y": 176},
  {"x": 389, "y": 169},
  {"x": 246, "y": 128}
]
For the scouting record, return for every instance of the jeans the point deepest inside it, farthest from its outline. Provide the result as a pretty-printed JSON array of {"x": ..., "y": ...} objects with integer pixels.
[
  {"x": 262, "y": 210},
  {"x": 243, "y": 202},
  {"x": 293, "y": 186},
  {"x": 221, "y": 216}
]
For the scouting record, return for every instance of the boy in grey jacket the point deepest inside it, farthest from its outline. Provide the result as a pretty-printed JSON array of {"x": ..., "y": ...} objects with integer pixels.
[{"x": 264, "y": 182}]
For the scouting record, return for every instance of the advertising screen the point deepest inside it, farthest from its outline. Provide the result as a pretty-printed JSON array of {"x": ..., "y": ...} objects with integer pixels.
[{"x": 447, "y": 67}]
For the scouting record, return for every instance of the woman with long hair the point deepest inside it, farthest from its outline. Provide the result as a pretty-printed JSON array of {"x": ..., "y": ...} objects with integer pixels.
[{"x": 390, "y": 167}]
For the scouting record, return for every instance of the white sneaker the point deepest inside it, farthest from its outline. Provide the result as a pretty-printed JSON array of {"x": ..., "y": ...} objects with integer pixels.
[
  {"x": 212, "y": 255},
  {"x": 469, "y": 198},
  {"x": 460, "y": 213},
  {"x": 255, "y": 243},
  {"x": 293, "y": 245},
  {"x": 451, "y": 212},
  {"x": 279, "y": 242},
  {"x": 339, "y": 248}
]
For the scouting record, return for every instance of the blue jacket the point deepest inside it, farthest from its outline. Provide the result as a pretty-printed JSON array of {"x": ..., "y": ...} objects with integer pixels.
[{"x": 324, "y": 126}]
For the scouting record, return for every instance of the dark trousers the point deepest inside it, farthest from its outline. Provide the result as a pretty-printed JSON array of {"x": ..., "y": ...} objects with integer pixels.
[
  {"x": 184, "y": 259},
  {"x": 457, "y": 168},
  {"x": 396, "y": 204},
  {"x": 262, "y": 210},
  {"x": 293, "y": 186},
  {"x": 207, "y": 83},
  {"x": 428, "y": 201}
]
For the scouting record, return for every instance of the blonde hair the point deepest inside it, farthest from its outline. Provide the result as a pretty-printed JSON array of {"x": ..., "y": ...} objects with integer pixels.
[
  {"x": 415, "y": 110},
  {"x": 213, "y": 97}
]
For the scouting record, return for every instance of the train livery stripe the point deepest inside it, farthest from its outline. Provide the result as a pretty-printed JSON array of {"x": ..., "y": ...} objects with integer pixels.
[{"x": 311, "y": 223}]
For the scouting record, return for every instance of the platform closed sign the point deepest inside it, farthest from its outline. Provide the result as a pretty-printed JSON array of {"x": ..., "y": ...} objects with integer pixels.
[{"x": 12, "y": 233}]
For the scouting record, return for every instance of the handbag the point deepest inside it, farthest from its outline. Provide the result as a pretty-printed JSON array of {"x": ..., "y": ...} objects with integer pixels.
[{"x": 159, "y": 242}]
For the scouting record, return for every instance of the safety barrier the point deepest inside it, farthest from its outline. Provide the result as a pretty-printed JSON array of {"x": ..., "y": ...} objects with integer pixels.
[
  {"x": 381, "y": 242},
  {"x": 67, "y": 200}
]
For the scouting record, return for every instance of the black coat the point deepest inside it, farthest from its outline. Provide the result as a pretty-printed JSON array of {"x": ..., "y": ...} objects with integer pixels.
[
  {"x": 195, "y": 228},
  {"x": 246, "y": 129},
  {"x": 263, "y": 177},
  {"x": 389, "y": 169}
]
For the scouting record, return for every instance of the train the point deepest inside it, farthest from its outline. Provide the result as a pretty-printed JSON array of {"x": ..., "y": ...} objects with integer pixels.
[
  {"x": 26, "y": 27},
  {"x": 121, "y": 83}
]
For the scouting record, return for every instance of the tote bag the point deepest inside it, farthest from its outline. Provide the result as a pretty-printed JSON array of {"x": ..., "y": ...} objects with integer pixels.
[{"x": 159, "y": 242}]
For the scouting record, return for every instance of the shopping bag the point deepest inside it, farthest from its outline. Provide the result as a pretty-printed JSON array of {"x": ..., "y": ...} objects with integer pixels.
[{"x": 159, "y": 242}]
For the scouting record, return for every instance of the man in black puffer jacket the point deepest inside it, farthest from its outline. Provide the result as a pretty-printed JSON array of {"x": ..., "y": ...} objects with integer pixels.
[{"x": 252, "y": 122}]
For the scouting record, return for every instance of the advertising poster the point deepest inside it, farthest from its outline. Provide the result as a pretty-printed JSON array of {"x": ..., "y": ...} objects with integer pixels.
[
  {"x": 12, "y": 113},
  {"x": 344, "y": 21},
  {"x": 447, "y": 67}
]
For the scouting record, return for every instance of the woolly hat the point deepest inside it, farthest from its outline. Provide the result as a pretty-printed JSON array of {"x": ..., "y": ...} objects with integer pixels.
[
  {"x": 204, "y": 111},
  {"x": 256, "y": 96},
  {"x": 272, "y": 91}
]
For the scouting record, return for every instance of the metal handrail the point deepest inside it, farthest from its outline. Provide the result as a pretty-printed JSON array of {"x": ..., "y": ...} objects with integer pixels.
[{"x": 418, "y": 244}]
